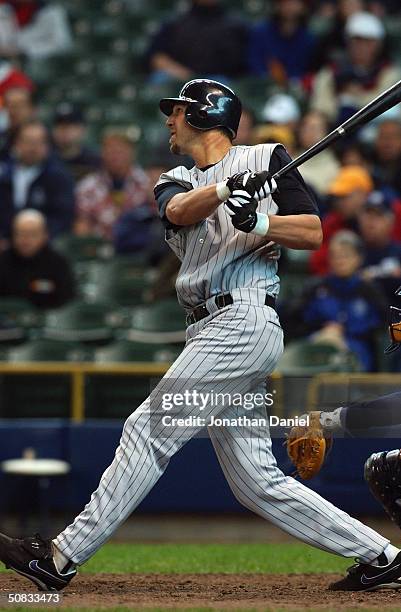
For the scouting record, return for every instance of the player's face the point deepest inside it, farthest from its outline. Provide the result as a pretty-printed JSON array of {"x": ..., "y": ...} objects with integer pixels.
[{"x": 181, "y": 134}]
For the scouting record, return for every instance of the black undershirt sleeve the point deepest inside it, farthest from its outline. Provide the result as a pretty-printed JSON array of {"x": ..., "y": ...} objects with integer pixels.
[
  {"x": 163, "y": 194},
  {"x": 293, "y": 196}
]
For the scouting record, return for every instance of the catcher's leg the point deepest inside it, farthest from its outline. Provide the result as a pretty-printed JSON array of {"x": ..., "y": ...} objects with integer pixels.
[{"x": 249, "y": 465}]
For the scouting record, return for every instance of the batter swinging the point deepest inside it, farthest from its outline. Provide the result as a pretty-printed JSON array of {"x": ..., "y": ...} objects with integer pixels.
[{"x": 225, "y": 232}]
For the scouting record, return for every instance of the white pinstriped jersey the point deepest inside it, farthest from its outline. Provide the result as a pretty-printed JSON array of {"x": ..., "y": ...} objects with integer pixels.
[{"x": 216, "y": 257}]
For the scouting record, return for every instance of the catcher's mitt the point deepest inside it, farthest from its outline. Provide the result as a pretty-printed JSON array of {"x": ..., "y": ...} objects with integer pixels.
[
  {"x": 383, "y": 475},
  {"x": 307, "y": 447}
]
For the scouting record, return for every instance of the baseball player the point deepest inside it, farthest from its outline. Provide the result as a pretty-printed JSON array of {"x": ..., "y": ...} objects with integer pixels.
[
  {"x": 379, "y": 417},
  {"x": 375, "y": 418},
  {"x": 222, "y": 219}
]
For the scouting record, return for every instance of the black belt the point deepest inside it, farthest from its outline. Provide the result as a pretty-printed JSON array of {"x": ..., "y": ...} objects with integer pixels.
[{"x": 221, "y": 300}]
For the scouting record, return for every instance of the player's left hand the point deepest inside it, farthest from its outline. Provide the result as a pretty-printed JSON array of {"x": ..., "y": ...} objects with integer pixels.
[
  {"x": 242, "y": 209},
  {"x": 256, "y": 184}
]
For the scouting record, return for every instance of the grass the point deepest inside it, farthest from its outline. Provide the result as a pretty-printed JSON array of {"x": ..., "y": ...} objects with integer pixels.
[
  {"x": 214, "y": 558},
  {"x": 275, "y": 558}
]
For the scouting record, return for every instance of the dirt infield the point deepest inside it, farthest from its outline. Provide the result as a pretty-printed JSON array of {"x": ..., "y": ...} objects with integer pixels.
[{"x": 210, "y": 590}]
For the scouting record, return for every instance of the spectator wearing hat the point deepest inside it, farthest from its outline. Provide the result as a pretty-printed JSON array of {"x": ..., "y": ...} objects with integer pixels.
[
  {"x": 332, "y": 41},
  {"x": 69, "y": 134},
  {"x": 342, "y": 308},
  {"x": 282, "y": 47},
  {"x": 31, "y": 269},
  {"x": 382, "y": 262},
  {"x": 19, "y": 108},
  {"x": 33, "y": 178},
  {"x": 343, "y": 87},
  {"x": 282, "y": 109},
  {"x": 348, "y": 193},
  {"x": 321, "y": 170},
  {"x": 120, "y": 188}
]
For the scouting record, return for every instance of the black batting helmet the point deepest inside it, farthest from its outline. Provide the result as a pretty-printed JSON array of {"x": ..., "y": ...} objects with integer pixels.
[
  {"x": 210, "y": 105},
  {"x": 394, "y": 327}
]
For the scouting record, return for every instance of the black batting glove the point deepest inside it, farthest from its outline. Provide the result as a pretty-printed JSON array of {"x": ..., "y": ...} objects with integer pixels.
[
  {"x": 242, "y": 209},
  {"x": 257, "y": 184}
]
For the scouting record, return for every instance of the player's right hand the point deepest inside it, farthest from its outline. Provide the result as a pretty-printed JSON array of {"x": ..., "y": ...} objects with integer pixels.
[
  {"x": 242, "y": 209},
  {"x": 256, "y": 184}
]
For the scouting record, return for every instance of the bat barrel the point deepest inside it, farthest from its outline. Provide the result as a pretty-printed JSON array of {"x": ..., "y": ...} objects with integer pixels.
[{"x": 373, "y": 109}]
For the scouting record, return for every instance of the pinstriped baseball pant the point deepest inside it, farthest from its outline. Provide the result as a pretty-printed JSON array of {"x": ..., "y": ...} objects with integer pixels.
[{"x": 230, "y": 351}]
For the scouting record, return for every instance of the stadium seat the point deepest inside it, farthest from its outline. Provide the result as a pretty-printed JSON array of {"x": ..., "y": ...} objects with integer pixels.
[
  {"x": 303, "y": 358},
  {"x": 80, "y": 321},
  {"x": 127, "y": 351},
  {"x": 292, "y": 285},
  {"x": 83, "y": 248},
  {"x": 122, "y": 280},
  {"x": 17, "y": 318},
  {"x": 163, "y": 321},
  {"x": 49, "y": 350}
]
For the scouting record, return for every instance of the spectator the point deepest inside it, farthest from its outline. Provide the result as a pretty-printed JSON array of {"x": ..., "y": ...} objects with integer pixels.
[
  {"x": 19, "y": 109},
  {"x": 31, "y": 269},
  {"x": 345, "y": 86},
  {"x": 282, "y": 109},
  {"x": 342, "y": 308},
  {"x": 246, "y": 125},
  {"x": 33, "y": 28},
  {"x": 322, "y": 169},
  {"x": 32, "y": 178},
  {"x": 382, "y": 261},
  {"x": 332, "y": 42},
  {"x": 10, "y": 76},
  {"x": 204, "y": 41},
  {"x": 274, "y": 133},
  {"x": 282, "y": 46},
  {"x": 119, "y": 187},
  {"x": 386, "y": 154},
  {"x": 353, "y": 154},
  {"x": 348, "y": 192},
  {"x": 69, "y": 133}
]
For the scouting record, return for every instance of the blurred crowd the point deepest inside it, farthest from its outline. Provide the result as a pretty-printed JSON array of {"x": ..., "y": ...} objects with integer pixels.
[{"x": 52, "y": 182}]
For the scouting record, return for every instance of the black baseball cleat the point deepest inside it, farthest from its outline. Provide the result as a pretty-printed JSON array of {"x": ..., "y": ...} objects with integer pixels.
[
  {"x": 33, "y": 558},
  {"x": 364, "y": 577}
]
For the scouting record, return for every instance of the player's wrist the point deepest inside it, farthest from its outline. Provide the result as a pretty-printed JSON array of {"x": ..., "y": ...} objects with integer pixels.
[
  {"x": 223, "y": 192},
  {"x": 262, "y": 224}
]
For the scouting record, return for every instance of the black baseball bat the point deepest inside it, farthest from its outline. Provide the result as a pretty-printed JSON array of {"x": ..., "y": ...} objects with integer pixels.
[{"x": 373, "y": 109}]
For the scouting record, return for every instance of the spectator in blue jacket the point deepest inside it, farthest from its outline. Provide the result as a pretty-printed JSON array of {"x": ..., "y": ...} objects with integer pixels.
[
  {"x": 32, "y": 178},
  {"x": 341, "y": 308},
  {"x": 382, "y": 262},
  {"x": 282, "y": 47}
]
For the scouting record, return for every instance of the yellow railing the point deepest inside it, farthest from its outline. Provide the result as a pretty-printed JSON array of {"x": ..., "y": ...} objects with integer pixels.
[
  {"x": 336, "y": 379},
  {"x": 79, "y": 371}
]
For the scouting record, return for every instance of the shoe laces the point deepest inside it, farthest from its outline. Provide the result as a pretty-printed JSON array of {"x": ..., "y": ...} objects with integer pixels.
[
  {"x": 38, "y": 545},
  {"x": 353, "y": 569}
]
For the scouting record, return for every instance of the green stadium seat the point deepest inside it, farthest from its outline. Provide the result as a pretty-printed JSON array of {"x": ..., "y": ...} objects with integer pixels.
[
  {"x": 303, "y": 358},
  {"x": 49, "y": 350},
  {"x": 80, "y": 321},
  {"x": 83, "y": 248},
  {"x": 163, "y": 321},
  {"x": 291, "y": 286},
  {"x": 127, "y": 351},
  {"x": 17, "y": 318},
  {"x": 122, "y": 280}
]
